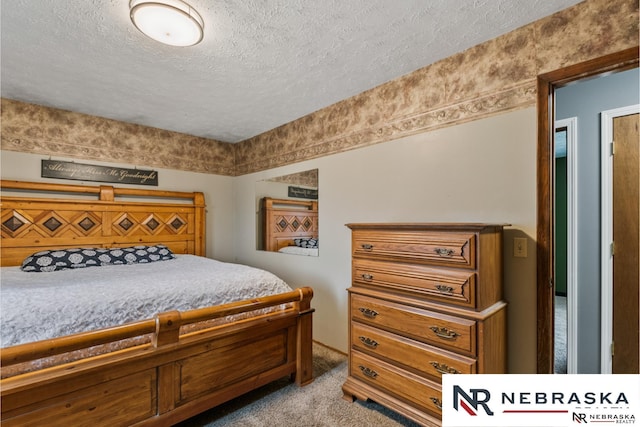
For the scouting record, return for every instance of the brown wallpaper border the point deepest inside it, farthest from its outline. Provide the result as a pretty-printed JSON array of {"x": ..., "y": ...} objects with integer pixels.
[
  {"x": 495, "y": 77},
  {"x": 48, "y": 131},
  {"x": 490, "y": 105}
]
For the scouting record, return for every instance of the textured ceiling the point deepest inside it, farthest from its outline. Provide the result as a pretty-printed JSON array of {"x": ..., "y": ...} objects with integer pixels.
[{"x": 262, "y": 63}]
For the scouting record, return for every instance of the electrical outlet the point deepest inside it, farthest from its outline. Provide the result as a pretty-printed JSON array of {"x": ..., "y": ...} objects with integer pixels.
[{"x": 520, "y": 247}]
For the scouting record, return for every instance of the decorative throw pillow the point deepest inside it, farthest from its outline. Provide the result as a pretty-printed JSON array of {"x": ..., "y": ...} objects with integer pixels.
[
  {"x": 306, "y": 243},
  {"x": 64, "y": 259}
]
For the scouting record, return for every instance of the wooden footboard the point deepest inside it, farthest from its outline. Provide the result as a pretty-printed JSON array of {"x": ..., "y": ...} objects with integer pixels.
[
  {"x": 173, "y": 378},
  {"x": 178, "y": 374}
]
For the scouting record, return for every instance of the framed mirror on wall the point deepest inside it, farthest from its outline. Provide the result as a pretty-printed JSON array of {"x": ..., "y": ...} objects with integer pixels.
[{"x": 287, "y": 214}]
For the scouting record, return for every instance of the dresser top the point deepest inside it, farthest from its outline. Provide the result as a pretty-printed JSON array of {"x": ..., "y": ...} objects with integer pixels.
[{"x": 475, "y": 226}]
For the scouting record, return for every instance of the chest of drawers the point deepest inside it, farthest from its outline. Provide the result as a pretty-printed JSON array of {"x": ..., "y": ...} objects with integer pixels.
[{"x": 425, "y": 299}]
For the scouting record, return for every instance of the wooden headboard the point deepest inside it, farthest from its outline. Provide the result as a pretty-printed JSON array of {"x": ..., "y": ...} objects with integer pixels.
[
  {"x": 284, "y": 220},
  {"x": 39, "y": 216}
]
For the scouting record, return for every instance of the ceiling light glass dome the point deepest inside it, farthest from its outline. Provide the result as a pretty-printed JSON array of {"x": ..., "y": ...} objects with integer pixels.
[{"x": 171, "y": 22}]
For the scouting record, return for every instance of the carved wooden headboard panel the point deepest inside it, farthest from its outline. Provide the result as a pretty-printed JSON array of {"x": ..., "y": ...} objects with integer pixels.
[
  {"x": 285, "y": 220},
  {"x": 39, "y": 216}
]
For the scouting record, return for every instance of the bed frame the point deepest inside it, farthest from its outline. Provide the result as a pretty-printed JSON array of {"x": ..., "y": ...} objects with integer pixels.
[
  {"x": 178, "y": 374},
  {"x": 284, "y": 220}
]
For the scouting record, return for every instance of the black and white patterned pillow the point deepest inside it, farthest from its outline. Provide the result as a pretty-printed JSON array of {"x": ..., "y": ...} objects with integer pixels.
[
  {"x": 306, "y": 243},
  {"x": 65, "y": 259}
]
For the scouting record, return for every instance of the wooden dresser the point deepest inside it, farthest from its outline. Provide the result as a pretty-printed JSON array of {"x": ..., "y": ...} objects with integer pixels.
[{"x": 425, "y": 300}]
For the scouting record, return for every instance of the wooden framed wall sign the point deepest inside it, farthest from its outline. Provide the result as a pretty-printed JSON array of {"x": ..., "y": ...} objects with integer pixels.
[
  {"x": 84, "y": 172},
  {"x": 303, "y": 193}
]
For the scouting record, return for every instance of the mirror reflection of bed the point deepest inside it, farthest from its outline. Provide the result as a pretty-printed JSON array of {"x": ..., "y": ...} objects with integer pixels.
[
  {"x": 290, "y": 226},
  {"x": 287, "y": 214}
]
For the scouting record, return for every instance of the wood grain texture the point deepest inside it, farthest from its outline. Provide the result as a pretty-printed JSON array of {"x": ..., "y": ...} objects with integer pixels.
[
  {"x": 626, "y": 229},
  {"x": 408, "y": 321},
  {"x": 104, "y": 217},
  {"x": 180, "y": 372}
]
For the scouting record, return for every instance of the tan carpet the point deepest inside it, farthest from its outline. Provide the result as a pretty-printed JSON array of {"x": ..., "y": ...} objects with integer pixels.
[{"x": 319, "y": 404}]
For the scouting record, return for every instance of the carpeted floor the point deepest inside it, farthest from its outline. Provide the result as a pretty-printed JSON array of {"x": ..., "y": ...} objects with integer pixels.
[
  {"x": 319, "y": 404},
  {"x": 560, "y": 334}
]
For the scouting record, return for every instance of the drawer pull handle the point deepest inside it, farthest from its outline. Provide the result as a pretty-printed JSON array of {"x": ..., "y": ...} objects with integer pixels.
[
  {"x": 367, "y": 312},
  {"x": 368, "y": 371},
  {"x": 368, "y": 342},
  {"x": 444, "y": 251},
  {"x": 444, "y": 289},
  {"x": 443, "y": 368},
  {"x": 444, "y": 333},
  {"x": 367, "y": 246},
  {"x": 367, "y": 276},
  {"x": 437, "y": 402}
]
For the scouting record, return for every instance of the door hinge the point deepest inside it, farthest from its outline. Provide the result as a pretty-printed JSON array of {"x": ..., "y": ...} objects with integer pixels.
[
  {"x": 612, "y": 349},
  {"x": 612, "y": 146},
  {"x": 613, "y": 248}
]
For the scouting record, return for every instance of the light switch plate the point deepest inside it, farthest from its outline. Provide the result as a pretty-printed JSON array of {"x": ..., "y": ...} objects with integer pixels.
[{"x": 520, "y": 247}]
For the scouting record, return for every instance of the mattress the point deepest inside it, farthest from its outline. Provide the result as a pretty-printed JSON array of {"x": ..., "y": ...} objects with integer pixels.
[{"x": 37, "y": 306}]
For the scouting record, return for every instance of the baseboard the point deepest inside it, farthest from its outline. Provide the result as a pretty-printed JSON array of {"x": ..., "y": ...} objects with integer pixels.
[{"x": 330, "y": 348}]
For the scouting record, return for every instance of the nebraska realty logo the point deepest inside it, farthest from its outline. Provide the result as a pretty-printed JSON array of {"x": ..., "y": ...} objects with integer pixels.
[{"x": 539, "y": 400}]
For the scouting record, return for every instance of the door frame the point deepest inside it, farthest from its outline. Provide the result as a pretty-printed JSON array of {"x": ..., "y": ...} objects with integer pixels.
[
  {"x": 546, "y": 85},
  {"x": 571, "y": 124},
  {"x": 606, "y": 227}
]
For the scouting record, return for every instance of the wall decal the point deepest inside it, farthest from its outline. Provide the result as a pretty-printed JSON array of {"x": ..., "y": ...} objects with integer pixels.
[
  {"x": 86, "y": 172},
  {"x": 303, "y": 193}
]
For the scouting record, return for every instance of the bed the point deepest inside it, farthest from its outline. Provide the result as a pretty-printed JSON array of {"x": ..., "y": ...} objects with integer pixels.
[
  {"x": 289, "y": 226},
  {"x": 148, "y": 369}
]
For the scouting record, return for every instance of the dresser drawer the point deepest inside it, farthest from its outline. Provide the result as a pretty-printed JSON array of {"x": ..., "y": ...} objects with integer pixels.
[
  {"x": 434, "y": 247},
  {"x": 445, "y": 331},
  {"x": 421, "y": 392},
  {"x": 412, "y": 354},
  {"x": 452, "y": 286}
]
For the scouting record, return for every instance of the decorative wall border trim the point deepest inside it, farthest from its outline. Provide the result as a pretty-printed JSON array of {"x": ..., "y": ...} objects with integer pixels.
[
  {"x": 495, "y": 77},
  {"x": 512, "y": 99},
  {"x": 48, "y": 131},
  {"x": 464, "y": 87}
]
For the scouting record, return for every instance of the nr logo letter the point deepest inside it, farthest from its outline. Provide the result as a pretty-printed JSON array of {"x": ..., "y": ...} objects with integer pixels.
[
  {"x": 479, "y": 397},
  {"x": 579, "y": 418}
]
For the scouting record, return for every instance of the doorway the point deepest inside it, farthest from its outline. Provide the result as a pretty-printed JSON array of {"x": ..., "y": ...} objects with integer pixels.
[
  {"x": 547, "y": 85},
  {"x": 626, "y": 238},
  {"x": 566, "y": 245},
  {"x": 620, "y": 241}
]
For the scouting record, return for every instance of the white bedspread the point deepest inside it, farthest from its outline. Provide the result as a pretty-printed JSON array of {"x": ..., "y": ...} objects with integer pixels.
[
  {"x": 37, "y": 306},
  {"x": 296, "y": 250}
]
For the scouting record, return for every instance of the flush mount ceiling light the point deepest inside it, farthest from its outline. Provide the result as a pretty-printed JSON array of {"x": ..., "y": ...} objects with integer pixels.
[{"x": 171, "y": 22}]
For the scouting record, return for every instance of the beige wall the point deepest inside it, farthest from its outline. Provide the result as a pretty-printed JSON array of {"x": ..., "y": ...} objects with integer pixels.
[
  {"x": 454, "y": 141},
  {"x": 483, "y": 171},
  {"x": 218, "y": 193}
]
